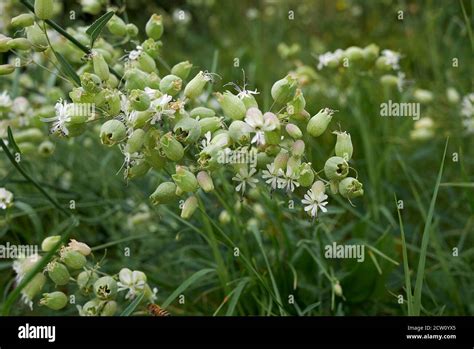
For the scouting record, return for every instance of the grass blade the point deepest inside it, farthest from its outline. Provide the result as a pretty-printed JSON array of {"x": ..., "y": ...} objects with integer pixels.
[
  {"x": 235, "y": 297},
  {"x": 133, "y": 305},
  {"x": 96, "y": 28}
]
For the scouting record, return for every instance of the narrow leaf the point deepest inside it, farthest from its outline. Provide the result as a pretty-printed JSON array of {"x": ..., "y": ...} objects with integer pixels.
[
  {"x": 67, "y": 69},
  {"x": 96, "y": 28},
  {"x": 12, "y": 142},
  {"x": 133, "y": 305}
]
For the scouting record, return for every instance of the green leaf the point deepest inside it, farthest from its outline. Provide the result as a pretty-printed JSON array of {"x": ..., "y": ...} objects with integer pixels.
[
  {"x": 95, "y": 29},
  {"x": 133, "y": 305},
  {"x": 67, "y": 69},
  {"x": 12, "y": 142},
  {"x": 235, "y": 296},
  {"x": 192, "y": 279}
]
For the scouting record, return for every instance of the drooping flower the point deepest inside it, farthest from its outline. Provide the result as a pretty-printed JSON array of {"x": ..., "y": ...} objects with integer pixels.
[
  {"x": 329, "y": 58},
  {"x": 392, "y": 58},
  {"x": 314, "y": 201},
  {"x": 245, "y": 178},
  {"x": 271, "y": 176},
  {"x": 259, "y": 125},
  {"x": 131, "y": 281},
  {"x": 467, "y": 105},
  {"x": 160, "y": 107},
  {"x": 62, "y": 117},
  {"x": 6, "y": 198}
]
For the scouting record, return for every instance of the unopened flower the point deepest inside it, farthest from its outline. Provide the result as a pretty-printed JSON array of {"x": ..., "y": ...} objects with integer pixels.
[
  {"x": 343, "y": 147},
  {"x": 165, "y": 193},
  {"x": 58, "y": 273},
  {"x": 73, "y": 258},
  {"x": 319, "y": 123},
  {"x": 33, "y": 288},
  {"x": 132, "y": 282},
  {"x": 49, "y": 242},
  {"x": 154, "y": 27},
  {"x": 44, "y": 9},
  {"x": 54, "y": 300},
  {"x": 232, "y": 105},
  {"x": 205, "y": 181},
  {"x": 245, "y": 178},
  {"x": 80, "y": 247},
  {"x": 314, "y": 201},
  {"x": 6, "y": 198},
  {"x": 189, "y": 207}
]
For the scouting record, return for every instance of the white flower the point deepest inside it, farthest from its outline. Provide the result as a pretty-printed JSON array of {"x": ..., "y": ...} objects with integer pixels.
[
  {"x": 245, "y": 177},
  {"x": 401, "y": 82},
  {"x": 314, "y": 201},
  {"x": 23, "y": 265},
  {"x": 289, "y": 179},
  {"x": 271, "y": 176},
  {"x": 392, "y": 58},
  {"x": 469, "y": 125},
  {"x": 135, "y": 54},
  {"x": 160, "y": 107},
  {"x": 6, "y": 198},
  {"x": 133, "y": 282},
  {"x": 62, "y": 117},
  {"x": 326, "y": 58},
  {"x": 207, "y": 140},
  {"x": 259, "y": 125},
  {"x": 5, "y": 101},
  {"x": 467, "y": 105},
  {"x": 21, "y": 106}
]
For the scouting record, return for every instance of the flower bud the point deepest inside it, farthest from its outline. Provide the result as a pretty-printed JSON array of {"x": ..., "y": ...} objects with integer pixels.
[
  {"x": 239, "y": 132},
  {"x": 283, "y": 90},
  {"x": 85, "y": 281},
  {"x": 195, "y": 87},
  {"x": 297, "y": 149},
  {"x": 370, "y": 52},
  {"x": 153, "y": 47},
  {"x": 4, "y": 43},
  {"x": 318, "y": 187},
  {"x": 44, "y": 9},
  {"x": 139, "y": 169},
  {"x": 172, "y": 149},
  {"x": 146, "y": 63},
  {"x": 105, "y": 288},
  {"x": 139, "y": 100},
  {"x": 37, "y": 38},
  {"x": 249, "y": 101},
  {"x": 423, "y": 96},
  {"x": 210, "y": 124},
  {"x": 165, "y": 193},
  {"x": 297, "y": 104},
  {"x": 354, "y": 54},
  {"x": 224, "y": 217},
  {"x": 58, "y": 273},
  {"x": 80, "y": 247},
  {"x": 154, "y": 27},
  {"x": 389, "y": 80},
  {"x": 171, "y": 85},
  {"x": 319, "y": 123},
  {"x": 336, "y": 168},
  {"x": 135, "y": 141},
  {"x": 202, "y": 112},
  {"x": 22, "y": 21},
  {"x": 91, "y": 83},
  {"x": 54, "y": 300},
  {"x": 281, "y": 161},
  {"x": 182, "y": 69},
  {"x": 73, "y": 259},
  {"x": 21, "y": 44},
  {"x": 135, "y": 79},
  {"x": 337, "y": 289},
  {"x": 294, "y": 131},
  {"x": 350, "y": 188},
  {"x": 117, "y": 26},
  {"x": 132, "y": 30},
  {"x": 205, "y": 181},
  {"x": 112, "y": 132},
  {"x": 232, "y": 105},
  {"x": 101, "y": 68},
  {"x": 48, "y": 243},
  {"x": 185, "y": 179},
  {"x": 109, "y": 309},
  {"x": 343, "y": 147},
  {"x": 6, "y": 69},
  {"x": 34, "y": 287},
  {"x": 306, "y": 175},
  {"x": 190, "y": 205}
]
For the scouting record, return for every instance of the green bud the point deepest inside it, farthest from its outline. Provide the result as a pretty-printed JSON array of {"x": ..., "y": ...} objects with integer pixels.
[
  {"x": 91, "y": 83},
  {"x": 188, "y": 130},
  {"x": 297, "y": 148},
  {"x": 389, "y": 80},
  {"x": 37, "y": 38},
  {"x": 202, "y": 112},
  {"x": 117, "y": 26},
  {"x": 350, "y": 188},
  {"x": 306, "y": 175},
  {"x": 139, "y": 100},
  {"x": 281, "y": 160},
  {"x": 34, "y": 286},
  {"x": 44, "y": 9},
  {"x": 54, "y": 300},
  {"x": 283, "y": 90},
  {"x": 146, "y": 63},
  {"x": 91, "y": 308},
  {"x": 58, "y": 273},
  {"x": 21, "y": 44},
  {"x": 294, "y": 131},
  {"x": 224, "y": 217},
  {"x": 354, "y": 54},
  {"x": 22, "y": 21},
  {"x": 132, "y": 30},
  {"x": 164, "y": 194},
  {"x": 297, "y": 105},
  {"x": 80, "y": 247},
  {"x": 48, "y": 243},
  {"x": 73, "y": 259},
  {"x": 154, "y": 27},
  {"x": 6, "y": 69},
  {"x": 423, "y": 96},
  {"x": 182, "y": 69},
  {"x": 239, "y": 132},
  {"x": 109, "y": 309},
  {"x": 274, "y": 136},
  {"x": 210, "y": 124},
  {"x": 185, "y": 179},
  {"x": 319, "y": 123},
  {"x": 205, "y": 181},
  {"x": 153, "y": 47},
  {"x": 195, "y": 87},
  {"x": 4, "y": 47},
  {"x": 232, "y": 105},
  {"x": 29, "y": 135},
  {"x": 101, "y": 68},
  {"x": 370, "y": 52},
  {"x": 105, "y": 288},
  {"x": 172, "y": 149},
  {"x": 249, "y": 101},
  {"x": 189, "y": 206},
  {"x": 139, "y": 169},
  {"x": 112, "y": 132},
  {"x": 171, "y": 85},
  {"x": 85, "y": 281},
  {"x": 135, "y": 79},
  {"x": 344, "y": 147},
  {"x": 318, "y": 187},
  {"x": 336, "y": 168},
  {"x": 135, "y": 141}
]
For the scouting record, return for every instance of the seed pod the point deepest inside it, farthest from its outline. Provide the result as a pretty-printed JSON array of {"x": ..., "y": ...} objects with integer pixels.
[
  {"x": 232, "y": 105},
  {"x": 6, "y": 69},
  {"x": 189, "y": 206},
  {"x": 153, "y": 47},
  {"x": 297, "y": 148},
  {"x": 171, "y": 85},
  {"x": 185, "y": 180},
  {"x": 146, "y": 63},
  {"x": 239, "y": 131},
  {"x": 350, "y": 188},
  {"x": 202, "y": 112},
  {"x": 91, "y": 308},
  {"x": 139, "y": 169},
  {"x": 154, "y": 27},
  {"x": 111, "y": 102},
  {"x": 44, "y": 9},
  {"x": 336, "y": 168},
  {"x": 210, "y": 124},
  {"x": 100, "y": 66},
  {"x": 132, "y": 30},
  {"x": 135, "y": 79},
  {"x": 22, "y": 21},
  {"x": 21, "y": 44},
  {"x": 155, "y": 159},
  {"x": 205, "y": 181},
  {"x": 294, "y": 131},
  {"x": 319, "y": 123},
  {"x": 135, "y": 141},
  {"x": 105, "y": 288},
  {"x": 54, "y": 300},
  {"x": 117, "y": 26},
  {"x": 182, "y": 69},
  {"x": 172, "y": 149},
  {"x": 139, "y": 100},
  {"x": 283, "y": 90},
  {"x": 109, "y": 309},
  {"x": 73, "y": 259},
  {"x": 37, "y": 38},
  {"x": 195, "y": 87},
  {"x": 343, "y": 147},
  {"x": 48, "y": 243},
  {"x": 165, "y": 193},
  {"x": 188, "y": 128},
  {"x": 58, "y": 273},
  {"x": 85, "y": 281},
  {"x": 112, "y": 132},
  {"x": 306, "y": 175},
  {"x": 91, "y": 83},
  {"x": 80, "y": 247}
]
